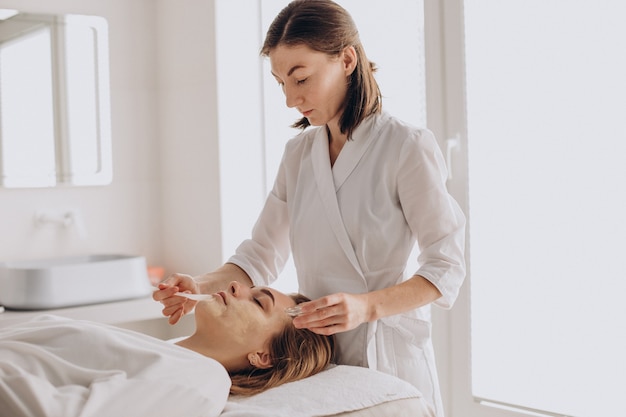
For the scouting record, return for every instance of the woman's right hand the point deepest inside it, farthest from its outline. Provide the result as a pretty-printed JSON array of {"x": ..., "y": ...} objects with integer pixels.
[{"x": 175, "y": 306}]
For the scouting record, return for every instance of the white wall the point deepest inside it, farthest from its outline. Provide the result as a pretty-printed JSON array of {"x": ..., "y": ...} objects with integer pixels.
[
  {"x": 187, "y": 95},
  {"x": 162, "y": 202}
]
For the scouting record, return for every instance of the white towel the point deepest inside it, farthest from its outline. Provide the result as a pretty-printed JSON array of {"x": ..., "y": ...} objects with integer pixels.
[{"x": 336, "y": 390}]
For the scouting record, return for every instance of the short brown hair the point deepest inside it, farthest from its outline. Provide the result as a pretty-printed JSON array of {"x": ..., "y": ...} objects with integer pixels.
[
  {"x": 325, "y": 26},
  {"x": 295, "y": 354}
]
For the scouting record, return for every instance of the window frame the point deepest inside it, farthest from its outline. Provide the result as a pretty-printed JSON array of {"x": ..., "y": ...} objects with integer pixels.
[{"x": 447, "y": 118}]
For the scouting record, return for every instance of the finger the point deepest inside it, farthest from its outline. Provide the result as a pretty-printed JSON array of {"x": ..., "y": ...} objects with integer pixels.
[
  {"x": 164, "y": 293},
  {"x": 312, "y": 306},
  {"x": 317, "y": 316},
  {"x": 173, "y": 301},
  {"x": 323, "y": 302},
  {"x": 170, "y": 280},
  {"x": 310, "y": 323},
  {"x": 173, "y": 280},
  {"x": 174, "y": 318},
  {"x": 327, "y": 330},
  {"x": 171, "y": 309}
]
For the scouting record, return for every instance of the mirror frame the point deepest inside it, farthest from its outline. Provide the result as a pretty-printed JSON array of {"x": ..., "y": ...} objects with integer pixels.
[{"x": 65, "y": 174}]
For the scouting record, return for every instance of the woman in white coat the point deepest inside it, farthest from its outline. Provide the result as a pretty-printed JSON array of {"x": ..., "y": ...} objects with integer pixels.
[{"x": 353, "y": 195}]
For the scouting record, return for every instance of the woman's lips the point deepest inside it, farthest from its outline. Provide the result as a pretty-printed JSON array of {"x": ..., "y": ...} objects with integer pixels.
[{"x": 307, "y": 113}]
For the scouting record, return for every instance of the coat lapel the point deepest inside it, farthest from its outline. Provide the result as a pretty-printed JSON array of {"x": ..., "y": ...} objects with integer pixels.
[
  {"x": 354, "y": 150},
  {"x": 329, "y": 180}
]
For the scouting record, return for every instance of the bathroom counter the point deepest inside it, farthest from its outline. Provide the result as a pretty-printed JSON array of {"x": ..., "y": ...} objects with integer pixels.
[
  {"x": 110, "y": 313},
  {"x": 142, "y": 314}
]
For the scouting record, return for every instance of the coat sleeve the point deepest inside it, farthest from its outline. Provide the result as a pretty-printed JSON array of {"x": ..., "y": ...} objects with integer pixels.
[{"x": 433, "y": 215}]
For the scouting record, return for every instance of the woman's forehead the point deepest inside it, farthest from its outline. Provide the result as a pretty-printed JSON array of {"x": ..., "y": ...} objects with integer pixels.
[{"x": 285, "y": 60}]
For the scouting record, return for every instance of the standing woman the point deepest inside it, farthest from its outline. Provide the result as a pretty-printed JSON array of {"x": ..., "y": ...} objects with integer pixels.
[{"x": 352, "y": 196}]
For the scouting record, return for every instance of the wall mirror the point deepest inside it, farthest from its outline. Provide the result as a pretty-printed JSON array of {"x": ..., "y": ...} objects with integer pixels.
[{"x": 54, "y": 100}]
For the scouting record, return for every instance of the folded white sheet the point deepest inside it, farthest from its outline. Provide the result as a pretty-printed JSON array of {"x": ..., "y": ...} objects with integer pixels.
[{"x": 339, "y": 389}]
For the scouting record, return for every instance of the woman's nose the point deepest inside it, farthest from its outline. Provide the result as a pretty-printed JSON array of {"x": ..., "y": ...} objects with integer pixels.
[{"x": 292, "y": 98}]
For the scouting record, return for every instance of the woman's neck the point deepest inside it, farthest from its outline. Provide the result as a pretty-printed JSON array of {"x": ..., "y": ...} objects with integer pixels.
[
  {"x": 204, "y": 347},
  {"x": 336, "y": 140}
]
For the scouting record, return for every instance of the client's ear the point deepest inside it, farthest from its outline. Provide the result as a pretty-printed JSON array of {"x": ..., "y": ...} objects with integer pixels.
[{"x": 261, "y": 360}]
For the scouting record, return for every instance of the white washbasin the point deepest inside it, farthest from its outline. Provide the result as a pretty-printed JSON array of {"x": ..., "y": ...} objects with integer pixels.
[{"x": 65, "y": 282}]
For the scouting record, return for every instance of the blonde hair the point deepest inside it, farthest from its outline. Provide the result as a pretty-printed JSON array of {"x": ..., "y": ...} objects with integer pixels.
[{"x": 295, "y": 354}]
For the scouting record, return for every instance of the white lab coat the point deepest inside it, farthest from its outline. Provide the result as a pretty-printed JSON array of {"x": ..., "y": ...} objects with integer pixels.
[{"x": 351, "y": 228}]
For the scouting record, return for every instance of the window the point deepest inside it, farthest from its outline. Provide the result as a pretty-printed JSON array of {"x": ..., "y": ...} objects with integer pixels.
[{"x": 546, "y": 150}]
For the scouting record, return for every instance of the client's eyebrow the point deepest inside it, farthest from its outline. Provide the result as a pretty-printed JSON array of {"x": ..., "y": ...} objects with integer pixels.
[{"x": 269, "y": 293}]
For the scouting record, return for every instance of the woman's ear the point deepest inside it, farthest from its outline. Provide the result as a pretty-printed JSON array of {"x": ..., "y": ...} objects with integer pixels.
[
  {"x": 349, "y": 59},
  {"x": 261, "y": 360}
]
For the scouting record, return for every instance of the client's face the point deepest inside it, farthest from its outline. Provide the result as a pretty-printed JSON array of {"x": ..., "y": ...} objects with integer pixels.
[{"x": 243, "y": 319}]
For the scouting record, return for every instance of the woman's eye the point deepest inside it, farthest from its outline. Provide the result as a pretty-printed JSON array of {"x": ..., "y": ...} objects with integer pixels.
[
  {"x": 256, "y": 300},
  {"x": 300, "y": 82}
]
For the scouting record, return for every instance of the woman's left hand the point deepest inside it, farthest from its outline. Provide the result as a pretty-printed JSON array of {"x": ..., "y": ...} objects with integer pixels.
[{"x": 333, "y": 313}]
